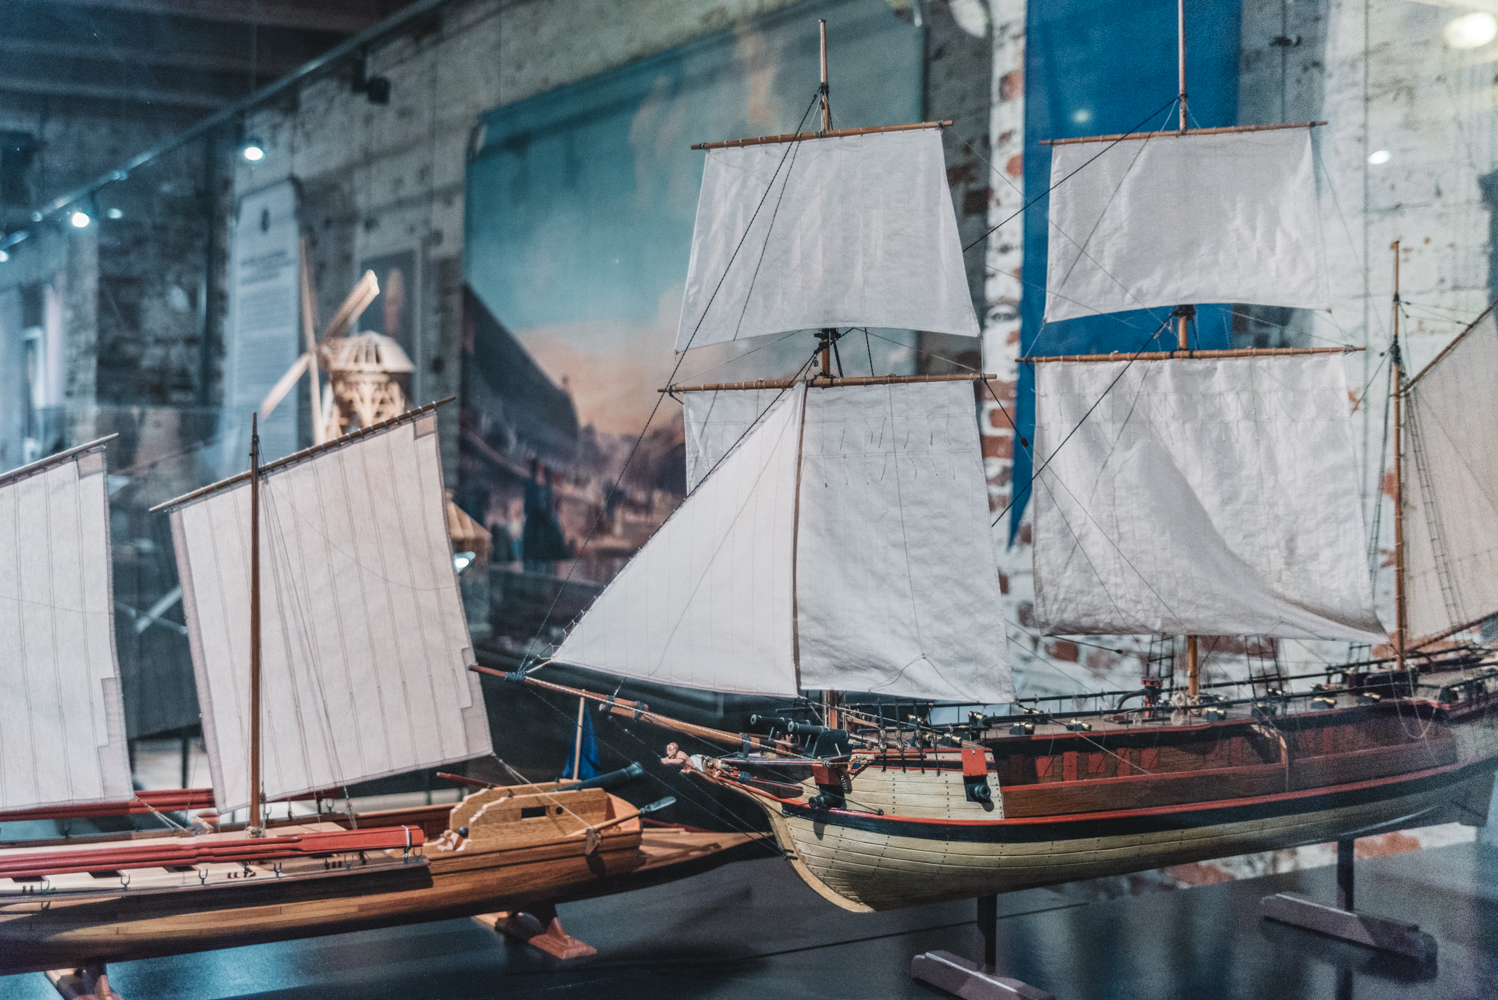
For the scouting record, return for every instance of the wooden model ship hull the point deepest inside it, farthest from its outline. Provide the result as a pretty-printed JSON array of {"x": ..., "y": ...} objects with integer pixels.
[
  {"x": 1069, "y": 806},
  {"x": 518, "y": 860}
]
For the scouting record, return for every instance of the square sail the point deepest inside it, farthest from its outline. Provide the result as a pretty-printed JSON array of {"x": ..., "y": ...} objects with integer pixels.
[{"x": 1184, "y": 219}]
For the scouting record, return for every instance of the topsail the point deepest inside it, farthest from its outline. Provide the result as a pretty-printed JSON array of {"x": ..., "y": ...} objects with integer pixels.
[
  {"x": 848, "y": 231},
  {"x": 1185, "y": 219}
]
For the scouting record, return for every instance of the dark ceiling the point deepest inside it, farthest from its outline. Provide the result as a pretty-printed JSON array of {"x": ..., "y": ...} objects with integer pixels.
[{"x": 181, "y": 57}]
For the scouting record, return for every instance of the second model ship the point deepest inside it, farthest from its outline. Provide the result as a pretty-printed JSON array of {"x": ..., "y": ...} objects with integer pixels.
[{"x": 836, "y": 536}]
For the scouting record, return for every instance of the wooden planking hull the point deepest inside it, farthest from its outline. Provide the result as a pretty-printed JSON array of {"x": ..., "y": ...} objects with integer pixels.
[
  {"x": 44, "y": 933},
  {"x": 867, "y": 862}
]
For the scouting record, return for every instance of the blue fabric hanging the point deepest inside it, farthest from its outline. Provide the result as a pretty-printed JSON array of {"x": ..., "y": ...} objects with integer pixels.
[{"x": 590, "y": 768}]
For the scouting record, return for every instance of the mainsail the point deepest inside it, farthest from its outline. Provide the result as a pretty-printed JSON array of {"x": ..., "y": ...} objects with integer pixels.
[
  {"x": 62, "y": 731},
  {"x": 1199, "y": 496},
  {"x": 365, "y": 648},
  {"x": 1451, "y": 486},
  {"x": 854, "y": 230},
  {"x": 832, "y": 547},
  {"x": 1184, "y": 219}
]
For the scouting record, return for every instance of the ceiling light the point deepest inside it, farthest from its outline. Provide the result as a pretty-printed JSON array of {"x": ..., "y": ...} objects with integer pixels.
[
  {"x": 1082, "y": 116},
  {"x": 80, "y": 219},
  {"x": 1378, "y": 157},
  {"x": 4, "y": 256},
  {"x": 115, "y": 213},
  {"x": 252, "y": 150},
  {"x": 1471, "y": 30}
]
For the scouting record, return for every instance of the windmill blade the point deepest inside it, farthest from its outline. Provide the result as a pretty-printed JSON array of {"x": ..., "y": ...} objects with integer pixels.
[
  {"x": 309, "y": 331},
  {"x": 358, "y": 300},
  {"x": 281, "y": 388}
]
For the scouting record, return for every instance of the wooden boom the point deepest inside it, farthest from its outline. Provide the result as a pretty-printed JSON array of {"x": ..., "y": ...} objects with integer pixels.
[
  {"x": 824, "y": 382},
  {"x": 806, "y": 136},
  {"x": 1173, "y": 133},
  {"x": 1243, "y": 352}
]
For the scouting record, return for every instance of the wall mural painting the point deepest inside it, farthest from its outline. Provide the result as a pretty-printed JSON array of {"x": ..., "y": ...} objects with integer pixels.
[{"x": 580, "y": 206}]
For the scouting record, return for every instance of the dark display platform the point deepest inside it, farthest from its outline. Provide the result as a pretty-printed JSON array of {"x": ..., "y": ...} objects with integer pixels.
[{"x": 752, "y": 930}]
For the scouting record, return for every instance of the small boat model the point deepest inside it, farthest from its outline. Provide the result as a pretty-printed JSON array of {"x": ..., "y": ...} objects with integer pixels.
[
  {"x": 362, "y": 672},
  {"x": 836, "y": 536}
]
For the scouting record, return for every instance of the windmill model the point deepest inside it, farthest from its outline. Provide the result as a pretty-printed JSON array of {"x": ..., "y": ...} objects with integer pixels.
[{"x": 362, "y": 386}]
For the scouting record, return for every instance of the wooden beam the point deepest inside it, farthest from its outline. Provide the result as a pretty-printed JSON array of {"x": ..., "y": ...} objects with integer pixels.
[
  {"x": 827, "y": 383},
  {"x": 807, "y": 136},
  {"x": 267, "y": 65},
  {"x": 1173, "y": 133},
  {"x": 1244, "y": 352},
  {"x": 134, "y": 95},
  {"x": 340, "y": 16}
]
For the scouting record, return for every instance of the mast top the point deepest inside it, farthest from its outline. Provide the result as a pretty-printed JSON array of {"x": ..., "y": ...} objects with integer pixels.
[{"x": 305, "y": 453}]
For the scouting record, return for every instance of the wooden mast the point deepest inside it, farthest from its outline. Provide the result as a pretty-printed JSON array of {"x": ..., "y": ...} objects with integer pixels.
[
  {"x": 830, "y": 699},
  {"x": 254, "y": 827},
  {"x": 1183, "y": 342},
  {"x": 1401, "y": 626}
]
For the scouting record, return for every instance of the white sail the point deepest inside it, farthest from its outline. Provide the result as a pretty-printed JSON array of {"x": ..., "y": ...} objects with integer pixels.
[
  {"x": 715, "y": 421},
  {"x": 1451, "y": 486},
  {"x": 897, "y": 588},
  {"x": 835, "y": 537},
  {"x": 706, "y": 603},
  {"x": 62, "y": 731},
  {"x": 1175, "y": 220},
  {"x": 364, "y": 645},
  {"x": 838, "y": 232},
  {"x": 1210, "y": 497}
]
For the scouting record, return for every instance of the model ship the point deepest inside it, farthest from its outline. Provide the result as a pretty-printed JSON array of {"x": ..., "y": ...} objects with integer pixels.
[
  {"x": 836, "y": 536},
  {"x": 329, "y": 647}
]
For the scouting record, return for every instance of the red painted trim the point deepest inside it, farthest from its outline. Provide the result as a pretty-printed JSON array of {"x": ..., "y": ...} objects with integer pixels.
[
  {"x": 163, "y": 800},
  {"x": 193, "y": 851}
]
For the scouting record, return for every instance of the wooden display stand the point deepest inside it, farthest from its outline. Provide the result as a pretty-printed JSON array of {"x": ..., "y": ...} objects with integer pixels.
[
  {"x": 539, "y": 928},
  {"x": 975, "y": 980},
  {"x": 87, "y": 983},
  {"x": 1342, "y": 921}
]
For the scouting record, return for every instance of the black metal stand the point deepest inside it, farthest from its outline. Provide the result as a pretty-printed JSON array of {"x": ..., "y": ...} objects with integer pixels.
[
  {"x": 975, "y": 980},
  {"x": 1341, "y": 921}
]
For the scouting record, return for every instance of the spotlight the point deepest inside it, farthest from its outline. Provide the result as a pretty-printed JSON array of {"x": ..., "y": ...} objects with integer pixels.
[
  {"x": 1082, "y": 116},
  {"x": 80, "y": 219},
  {"x": 1471, "y": 30},
  {"x": 252, "y": 150},
  {"x": 115, "y": 213},
  {"x": 4, "y": 256},
  {"x": 1378, "y": 157}
]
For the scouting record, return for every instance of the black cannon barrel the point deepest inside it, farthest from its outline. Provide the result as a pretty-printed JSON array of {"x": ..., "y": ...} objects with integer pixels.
[{"x": 614, "y": 778}]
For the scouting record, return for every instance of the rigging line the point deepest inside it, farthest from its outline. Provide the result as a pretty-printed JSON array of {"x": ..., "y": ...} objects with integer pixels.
[
  {"x": 660, "y": 397},
  {"x": 1135, "y": 357},
  {"x": 739, "y": 357},
  {"x": 1286, "y": 326},
  {"x": 870, "y": 349},
  {"x": 1021, "y": 211},
  {"x": 804, "y": 365},
  {"x": 1347, "y": 231}
]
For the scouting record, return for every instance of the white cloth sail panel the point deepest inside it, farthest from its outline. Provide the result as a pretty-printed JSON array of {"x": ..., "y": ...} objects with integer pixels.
[
  {"x": 365, "y": 648},
  {"x": 1170, "y": 221},
  {"x": 846, "y": 231},
  {"x": 715, "y": 421},
  {"x": 897, "y": 587},
  {"x": 706, "y": 603},
  {"x": 62, "y": 731},
  {"x": 1451, "y": 487},
  {"x": 1206, "y": 497}
]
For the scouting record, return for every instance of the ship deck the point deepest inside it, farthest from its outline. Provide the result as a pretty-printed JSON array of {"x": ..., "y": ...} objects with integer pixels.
[{"x": 753, "y": 929}]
